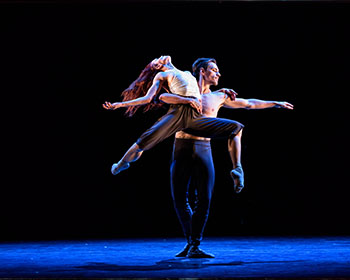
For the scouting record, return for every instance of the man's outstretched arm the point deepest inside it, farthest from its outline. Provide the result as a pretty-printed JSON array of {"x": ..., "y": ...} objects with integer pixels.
[{"x": 256, "y": 104}]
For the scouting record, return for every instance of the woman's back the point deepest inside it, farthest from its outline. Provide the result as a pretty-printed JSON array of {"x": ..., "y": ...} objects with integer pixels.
[{"x": 183, "y": 83}]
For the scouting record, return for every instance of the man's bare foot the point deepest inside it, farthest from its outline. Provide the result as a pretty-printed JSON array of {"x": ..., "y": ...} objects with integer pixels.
[
  {"x": 237, "y": 176},
  {"x": 120, "y": 166}
]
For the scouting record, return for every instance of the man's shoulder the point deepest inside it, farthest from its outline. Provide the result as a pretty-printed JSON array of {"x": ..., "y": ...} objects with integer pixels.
[
  {"x": 215, "y": 97},
  {"x": 218, "y": 94}
]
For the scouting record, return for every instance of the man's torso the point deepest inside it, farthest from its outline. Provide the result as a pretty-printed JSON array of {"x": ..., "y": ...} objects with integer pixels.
[{"x": 211, "y": 103}]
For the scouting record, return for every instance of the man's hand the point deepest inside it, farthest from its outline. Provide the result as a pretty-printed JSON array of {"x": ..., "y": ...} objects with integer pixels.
[
  {"x": 110, "y": 106},
  {"x": 230, "y": 93},
  {"x": 196, "y": 104},
  {"x": 284, "y": 105}
]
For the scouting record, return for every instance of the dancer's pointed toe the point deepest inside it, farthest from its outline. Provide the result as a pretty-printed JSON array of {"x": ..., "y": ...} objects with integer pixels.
[
  {"x": 120, "y": 166},
  {"x": 237, "y": 176}
]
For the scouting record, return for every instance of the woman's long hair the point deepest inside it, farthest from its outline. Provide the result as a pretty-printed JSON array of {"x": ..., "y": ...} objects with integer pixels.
[{"x": 139, "y": 88}]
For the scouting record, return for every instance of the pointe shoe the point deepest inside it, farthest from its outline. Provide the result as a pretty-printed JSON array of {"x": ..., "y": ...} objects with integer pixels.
[
  {"x": 237, "y": 176},
  {"x": 184, "y": 251},
  {"x": 197, "y": 253},
  {"x": 120, "y": 166}
]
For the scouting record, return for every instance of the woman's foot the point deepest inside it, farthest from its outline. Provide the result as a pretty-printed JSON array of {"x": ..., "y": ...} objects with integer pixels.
[
  {"x": 237, "y": 176},
  {"x": 120, "y": 166}
]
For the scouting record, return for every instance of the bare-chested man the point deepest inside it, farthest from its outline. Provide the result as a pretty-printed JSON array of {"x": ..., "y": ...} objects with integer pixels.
[
  {"x": 160, "y": 73},
  {"x": 192, "y": 158}
]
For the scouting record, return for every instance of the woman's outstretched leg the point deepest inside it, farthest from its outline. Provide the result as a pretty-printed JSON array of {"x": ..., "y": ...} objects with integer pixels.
[
  {"x": 162, "y": 129},
  {"x": 133, "y": 154}
]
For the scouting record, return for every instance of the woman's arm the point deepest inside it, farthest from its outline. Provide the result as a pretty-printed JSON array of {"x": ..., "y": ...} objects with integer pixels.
[
  {"x": 157, "y": 82},
  {"x": 171, "y": 98}
]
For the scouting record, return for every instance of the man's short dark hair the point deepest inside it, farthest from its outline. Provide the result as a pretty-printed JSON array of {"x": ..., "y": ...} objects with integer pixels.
[{"x": 201, "y": 63}]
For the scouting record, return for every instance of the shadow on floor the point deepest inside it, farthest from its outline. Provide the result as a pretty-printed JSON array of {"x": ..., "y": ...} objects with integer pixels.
[{"x": 170, "y": 265}]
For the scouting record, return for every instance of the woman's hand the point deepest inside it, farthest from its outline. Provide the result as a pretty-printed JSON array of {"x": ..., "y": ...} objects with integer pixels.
[
  {"x": 110, "y": 106},
  {"x": 196, "y": 104},
  {"x": 229, "y": 92}
]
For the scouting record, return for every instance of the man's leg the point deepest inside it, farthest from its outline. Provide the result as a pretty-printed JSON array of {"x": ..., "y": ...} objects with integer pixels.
[
  {"x": 237, "y": 174},
  {"x": 180, "y": 175},
  {"x": 203, "y": 178}
]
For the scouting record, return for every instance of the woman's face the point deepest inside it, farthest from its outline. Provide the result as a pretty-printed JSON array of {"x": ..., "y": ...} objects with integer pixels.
[{"x": 159, "y": 63}]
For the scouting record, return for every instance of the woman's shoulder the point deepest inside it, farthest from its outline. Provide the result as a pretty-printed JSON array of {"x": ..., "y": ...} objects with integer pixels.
[{"x": 164, "y": 75}]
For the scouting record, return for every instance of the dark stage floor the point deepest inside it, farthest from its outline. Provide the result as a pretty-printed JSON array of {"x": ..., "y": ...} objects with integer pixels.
[{"x": 235, "y": 257}]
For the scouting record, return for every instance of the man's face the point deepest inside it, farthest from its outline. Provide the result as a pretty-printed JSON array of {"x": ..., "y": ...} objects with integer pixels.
[
  {"x": 159, "y": 63},
  {"x": 211, "y": 75}
]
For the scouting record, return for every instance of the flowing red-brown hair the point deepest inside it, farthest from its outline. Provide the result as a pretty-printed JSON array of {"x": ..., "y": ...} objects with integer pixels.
[{"x": 139, "y": 88}]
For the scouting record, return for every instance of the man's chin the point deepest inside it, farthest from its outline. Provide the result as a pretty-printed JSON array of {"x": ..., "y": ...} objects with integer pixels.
[{"x": 213, "y": 83}]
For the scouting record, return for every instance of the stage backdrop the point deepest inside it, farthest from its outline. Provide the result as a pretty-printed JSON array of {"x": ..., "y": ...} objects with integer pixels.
[{"x": 63, "y": 60}]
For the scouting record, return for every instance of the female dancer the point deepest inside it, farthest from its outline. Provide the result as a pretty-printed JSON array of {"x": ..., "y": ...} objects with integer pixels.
[{"x": 143, "y": 91}]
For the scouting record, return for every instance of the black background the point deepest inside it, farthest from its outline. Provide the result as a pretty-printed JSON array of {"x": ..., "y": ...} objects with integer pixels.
[{"x": 63, "y": 60}]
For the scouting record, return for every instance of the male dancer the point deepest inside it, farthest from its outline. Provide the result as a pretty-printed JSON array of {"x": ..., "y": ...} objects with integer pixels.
[{"x": 192, "y": 158}]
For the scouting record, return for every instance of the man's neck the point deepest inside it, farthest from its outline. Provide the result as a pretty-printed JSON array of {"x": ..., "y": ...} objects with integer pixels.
[{"x": 203, "y": 86}]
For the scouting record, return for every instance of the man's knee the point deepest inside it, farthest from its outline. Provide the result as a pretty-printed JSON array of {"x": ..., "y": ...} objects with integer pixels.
[
  {"x": 203, "y": 203},
  {"x": 181, "y": 205}
]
